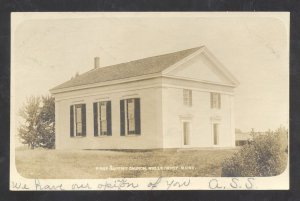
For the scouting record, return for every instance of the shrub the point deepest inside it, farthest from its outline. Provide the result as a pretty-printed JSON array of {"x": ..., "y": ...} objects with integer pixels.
[{"x": 265, "y": 155}]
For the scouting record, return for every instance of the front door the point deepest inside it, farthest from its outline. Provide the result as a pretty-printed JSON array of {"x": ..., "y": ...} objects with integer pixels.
[
  {"x": 216, "y": 133},
  {"x": 186, "y": 133}
]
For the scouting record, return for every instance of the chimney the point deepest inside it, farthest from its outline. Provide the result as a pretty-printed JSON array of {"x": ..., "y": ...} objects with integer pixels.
[{"x": 97, "y": 62}]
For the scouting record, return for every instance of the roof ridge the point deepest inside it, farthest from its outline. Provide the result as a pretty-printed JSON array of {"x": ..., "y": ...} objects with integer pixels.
[
  {"x": 151, "y": 57},
  {"x": 121, "y": 70}
]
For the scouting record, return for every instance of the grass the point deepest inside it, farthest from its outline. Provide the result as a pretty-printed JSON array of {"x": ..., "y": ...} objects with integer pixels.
[{"x": 89, "y": 164}]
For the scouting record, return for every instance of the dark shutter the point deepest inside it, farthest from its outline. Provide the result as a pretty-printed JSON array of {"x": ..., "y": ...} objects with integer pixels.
[
  {"x": 190, "y": 98},
  {"x": 83, "y": 113},
  {"x": 211, "y": 100},
  {"x": 122, "y": 118},
  {"x": 219, "y": 96},
  {"x": 137, "y": 116},
  {"x": 95, "y": 109},
  {"x": 126, "y": 116},
  {"x": 183, "y": 96},
  {"x": 108, "y": 117},
  {"x": 71, "y": 120}
]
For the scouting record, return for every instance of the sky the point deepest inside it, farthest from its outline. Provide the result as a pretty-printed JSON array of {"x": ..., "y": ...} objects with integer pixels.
[{"x": 49, "y": 48}]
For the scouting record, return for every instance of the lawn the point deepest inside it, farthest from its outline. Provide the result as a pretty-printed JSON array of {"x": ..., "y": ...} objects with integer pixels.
[{"x": 92, "y": 164}]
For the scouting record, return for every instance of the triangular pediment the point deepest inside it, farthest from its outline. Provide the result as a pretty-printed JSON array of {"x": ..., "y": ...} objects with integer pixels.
[{"x": 202, "y": 66}]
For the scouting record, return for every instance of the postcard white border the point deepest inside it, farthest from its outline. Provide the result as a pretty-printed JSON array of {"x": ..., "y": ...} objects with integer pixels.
[{"x": 19, "y": 183}]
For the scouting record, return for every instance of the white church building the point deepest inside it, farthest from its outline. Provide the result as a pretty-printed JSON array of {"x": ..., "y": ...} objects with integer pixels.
[{"x": 183, "y": 99}]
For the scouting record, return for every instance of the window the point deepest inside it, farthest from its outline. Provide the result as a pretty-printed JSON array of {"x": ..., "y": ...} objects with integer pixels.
[
  {"x": 102, "y": 118},
  {"x": 187, "y": 97},
  {"x": 215, "y": 100},
  {"x": 186, "y": 133},
  {"x": 77, "y": 120},
  {"x": 216, "y": 133},
  {"x": 130, "y": 116}
]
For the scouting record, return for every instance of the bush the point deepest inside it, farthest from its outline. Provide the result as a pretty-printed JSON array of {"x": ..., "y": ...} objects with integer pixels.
[{"x": 265, "y": 155}]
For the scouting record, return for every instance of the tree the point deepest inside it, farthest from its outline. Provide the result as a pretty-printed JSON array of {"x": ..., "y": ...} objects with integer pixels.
[
  {"x": 46, "y": 126},
  {"x": 28, "y": 131},
  {"x": 38, "y": 129}
]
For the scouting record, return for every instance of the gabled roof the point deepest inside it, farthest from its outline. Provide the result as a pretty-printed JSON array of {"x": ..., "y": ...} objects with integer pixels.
[{"x": 150, "y": 65}]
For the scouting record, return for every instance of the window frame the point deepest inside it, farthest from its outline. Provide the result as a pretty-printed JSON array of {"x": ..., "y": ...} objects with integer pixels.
[
  {"x": 99, "y": 131},
  {"x": 75, "y": 108},
  {"x": 100, "y": 121},
  {"x": 130, "y": 117},
  {"x": 137, "y": 128},
  {"x": 215, "y": 100},
  {"x": 78, "y": 108},
  {"x": 187, "y": 97}
]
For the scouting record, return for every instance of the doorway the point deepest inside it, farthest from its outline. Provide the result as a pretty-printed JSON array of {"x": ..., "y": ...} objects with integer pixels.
[
  {"x": 216, "y": 134},
  {"x": 186, "y": 133}
]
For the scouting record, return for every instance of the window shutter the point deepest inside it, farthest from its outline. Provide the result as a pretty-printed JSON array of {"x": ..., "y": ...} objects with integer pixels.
[
  {"x": 190, "y": 98},
  {"x": 122, "y": 117},
  {"x": 95, "y": 109},
  {"x": 137, "y": 116},
  {"x": 211, "y": 100},
  {"x": 184, "y": 97},
  {"x": 219, "y": 101},
  {"x": 71, "y": 120},
  {"x": 83, "y": 117},
  {"x": 108, "y": 117}
]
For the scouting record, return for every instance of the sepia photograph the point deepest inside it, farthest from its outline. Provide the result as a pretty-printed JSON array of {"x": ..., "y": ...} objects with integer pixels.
[{"x": 149, "y": 101}]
